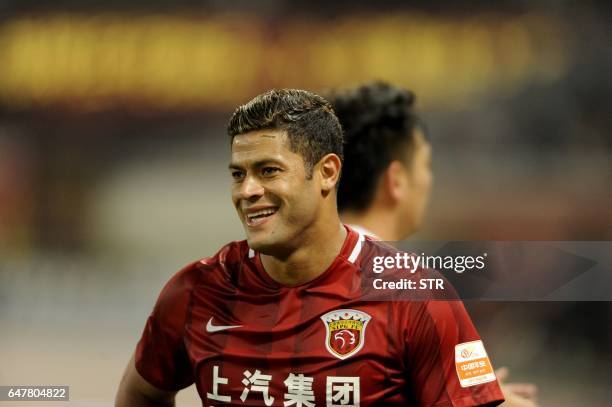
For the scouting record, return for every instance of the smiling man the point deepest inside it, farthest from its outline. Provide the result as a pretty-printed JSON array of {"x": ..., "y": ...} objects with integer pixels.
[
  {"x": 285, "y": 168},
  {"x": 279, "y": 319}
]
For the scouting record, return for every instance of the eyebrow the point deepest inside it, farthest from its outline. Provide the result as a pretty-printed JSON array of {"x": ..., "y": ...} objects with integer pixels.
[{"x": 256, "y": 164}]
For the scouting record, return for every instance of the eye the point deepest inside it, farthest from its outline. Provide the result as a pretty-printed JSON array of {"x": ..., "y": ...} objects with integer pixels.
[
  {"x": 237, "y": 175},
  {"x": 269, "y": 171}
]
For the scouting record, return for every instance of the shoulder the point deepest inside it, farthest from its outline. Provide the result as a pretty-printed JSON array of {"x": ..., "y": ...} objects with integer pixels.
[
  {"x": 370, "y": 247},
  {"x": 206, "y": 271},
  {"x": 229, "y": 256}
]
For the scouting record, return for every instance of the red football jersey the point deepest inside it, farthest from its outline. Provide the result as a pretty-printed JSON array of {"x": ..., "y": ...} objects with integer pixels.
[{"x": 245, "y": 339}]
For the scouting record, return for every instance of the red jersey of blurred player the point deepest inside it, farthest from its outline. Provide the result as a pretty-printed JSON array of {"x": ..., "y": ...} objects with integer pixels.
[
  {"x": 387, "y": 175},
  {"x": 279, "y": 319}
]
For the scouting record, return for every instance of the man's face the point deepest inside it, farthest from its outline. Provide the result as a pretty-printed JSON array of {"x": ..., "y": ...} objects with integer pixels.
[
  {"x": 274, "y": 200},
  {"x": 420, "y": 179}
]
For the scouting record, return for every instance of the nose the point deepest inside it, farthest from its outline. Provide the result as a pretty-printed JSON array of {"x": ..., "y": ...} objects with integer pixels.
[{"x": 250, "y": 189}]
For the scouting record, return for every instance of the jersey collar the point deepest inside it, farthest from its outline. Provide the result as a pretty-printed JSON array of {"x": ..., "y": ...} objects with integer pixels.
[
  {"x": 363, "y": 231},
  {"x": 350, "y": 251}
]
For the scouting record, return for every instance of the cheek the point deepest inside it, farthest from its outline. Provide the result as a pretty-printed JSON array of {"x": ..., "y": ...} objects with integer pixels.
[
  {"x": 428, "y": 182},
  {"x": 303, "y": 202},
  {"x": 422, "y": 190},
  {"x": 426, "y": 193},
  {"x": 234, "y": 195},
  {"x": 425, "y": 181}
]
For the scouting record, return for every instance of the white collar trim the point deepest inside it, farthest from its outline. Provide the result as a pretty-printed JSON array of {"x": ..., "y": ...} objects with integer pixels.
[{"x": 363, "y": 231}]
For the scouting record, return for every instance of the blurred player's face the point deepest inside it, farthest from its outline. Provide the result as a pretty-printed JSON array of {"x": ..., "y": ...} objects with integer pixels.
[
  {"x": 273, "y": 197},
  {"x": 419, "y": 183}
]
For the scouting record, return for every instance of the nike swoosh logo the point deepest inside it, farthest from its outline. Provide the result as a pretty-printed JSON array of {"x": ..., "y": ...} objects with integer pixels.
[{"x": 216, "y": 328}]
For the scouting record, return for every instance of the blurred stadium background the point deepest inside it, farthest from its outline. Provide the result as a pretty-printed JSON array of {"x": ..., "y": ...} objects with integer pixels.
[{"x": 113, "y": 158}]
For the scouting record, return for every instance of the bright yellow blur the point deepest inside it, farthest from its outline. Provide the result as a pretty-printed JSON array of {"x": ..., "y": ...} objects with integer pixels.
[{"x": 179, "y": 62}]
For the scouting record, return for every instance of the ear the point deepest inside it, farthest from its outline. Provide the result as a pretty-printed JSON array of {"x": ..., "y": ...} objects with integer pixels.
[
  {"x": 329, "y": 170},
  {"x": 395, "y": 181}
]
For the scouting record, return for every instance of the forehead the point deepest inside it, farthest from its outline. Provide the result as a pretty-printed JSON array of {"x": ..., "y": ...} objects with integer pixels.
[
  {"x": 418, "y": 152},
  {"x": 421, "y": 145},
  {"x": 260, "y": 145}
]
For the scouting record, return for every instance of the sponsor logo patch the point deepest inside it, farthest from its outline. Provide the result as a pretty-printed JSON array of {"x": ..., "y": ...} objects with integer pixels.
[
  {"x": 345, "y": 331},
  {"x": 472, "y": 364}
]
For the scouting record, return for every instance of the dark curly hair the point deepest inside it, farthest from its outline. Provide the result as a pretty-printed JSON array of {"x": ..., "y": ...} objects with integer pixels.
[
  {"x": 379, "y": 122},
  {"x": 312, "y": 128}
]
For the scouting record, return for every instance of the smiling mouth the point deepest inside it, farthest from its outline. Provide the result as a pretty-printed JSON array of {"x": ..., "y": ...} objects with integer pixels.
[{"x": 259, "y": 217}]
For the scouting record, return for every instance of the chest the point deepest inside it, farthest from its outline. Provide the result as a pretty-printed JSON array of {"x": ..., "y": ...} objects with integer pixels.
[{"x": 296, "y": 349}]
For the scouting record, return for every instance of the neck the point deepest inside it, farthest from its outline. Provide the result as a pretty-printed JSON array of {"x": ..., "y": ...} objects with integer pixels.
[
  {"x": 315, "y": 254},
  {"x": 382, "y": 223}
]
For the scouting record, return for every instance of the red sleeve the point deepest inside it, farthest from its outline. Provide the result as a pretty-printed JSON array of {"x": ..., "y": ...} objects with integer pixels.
[
  {"x": 434, "y": 330},
  {"x": 161, "y": 357}
]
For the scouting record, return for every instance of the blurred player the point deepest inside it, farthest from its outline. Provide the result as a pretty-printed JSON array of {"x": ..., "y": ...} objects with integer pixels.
[
  {"x": 279, "y": 319},
  {"x": 387, "y": 178}
]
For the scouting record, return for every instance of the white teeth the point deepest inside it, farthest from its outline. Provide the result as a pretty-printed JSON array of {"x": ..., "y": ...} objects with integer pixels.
[{"x": 263, "y": 212}]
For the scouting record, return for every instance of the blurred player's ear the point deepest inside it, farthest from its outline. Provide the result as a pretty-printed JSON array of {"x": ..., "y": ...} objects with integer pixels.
[
  {"x": 329, "y": 170},
  {"x": 395, "y": 181}
]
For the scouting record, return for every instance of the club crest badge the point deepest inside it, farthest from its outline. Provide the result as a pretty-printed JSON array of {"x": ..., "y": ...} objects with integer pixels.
[{"x": 345, "y": 331}]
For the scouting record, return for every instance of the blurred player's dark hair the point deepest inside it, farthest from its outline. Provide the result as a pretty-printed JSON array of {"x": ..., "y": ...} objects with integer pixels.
[
  {"x": 311, "y": 125},
  {"x": 379, "y": 122}
]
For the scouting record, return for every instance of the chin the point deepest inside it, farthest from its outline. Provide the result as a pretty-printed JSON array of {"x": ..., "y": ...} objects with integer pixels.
[
  {"x": 261, "y": 245},
  {"x": 268, "y": 245}
]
